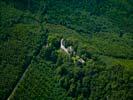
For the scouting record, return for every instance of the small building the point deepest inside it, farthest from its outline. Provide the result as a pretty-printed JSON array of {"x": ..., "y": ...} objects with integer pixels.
[{"x": 69, "y": 50}]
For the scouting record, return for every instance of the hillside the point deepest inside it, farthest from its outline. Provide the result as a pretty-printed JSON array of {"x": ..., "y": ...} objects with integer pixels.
[{"x": 33, "y": 65}]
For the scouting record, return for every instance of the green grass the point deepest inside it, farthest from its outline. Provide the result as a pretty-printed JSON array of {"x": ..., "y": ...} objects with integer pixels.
[
  {"x": 111, "y": 45},
  {"x": 115, "y": 61}
]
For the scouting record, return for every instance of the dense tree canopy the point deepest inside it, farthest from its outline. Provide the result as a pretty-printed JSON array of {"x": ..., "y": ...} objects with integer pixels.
[{"x": 33, "y": 65}]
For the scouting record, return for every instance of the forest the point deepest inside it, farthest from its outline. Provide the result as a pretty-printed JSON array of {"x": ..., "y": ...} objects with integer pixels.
[{"x": 98, "y": 37}]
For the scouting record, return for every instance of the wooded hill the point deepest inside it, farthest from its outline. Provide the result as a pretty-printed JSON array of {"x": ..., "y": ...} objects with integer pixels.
[{"x": 33, "y": 66}]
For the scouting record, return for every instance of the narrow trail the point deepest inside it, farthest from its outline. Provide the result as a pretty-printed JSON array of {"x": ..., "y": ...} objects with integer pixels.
[
  {"x": 46, "y": 86},
  {"x": 12, "y": 93},
  {"x": 36, "y": 53}
]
